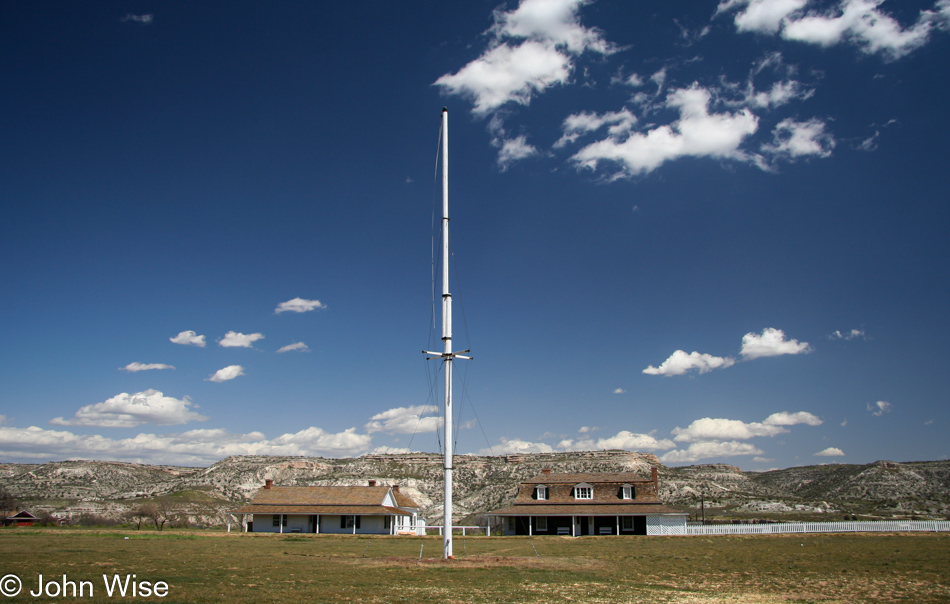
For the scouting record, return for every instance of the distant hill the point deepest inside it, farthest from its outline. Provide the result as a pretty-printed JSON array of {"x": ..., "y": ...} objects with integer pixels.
[{"x": 482, "y": 483}]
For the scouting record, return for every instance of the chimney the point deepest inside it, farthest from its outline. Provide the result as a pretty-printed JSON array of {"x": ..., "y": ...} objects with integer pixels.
[
  {"x": 546, "y": 471},
  {"x": 372, "y": 482},
  {"x": 396, "y": 488},
  {"x": 655, "y": 475},
  {"x": 268, "y": 483}
]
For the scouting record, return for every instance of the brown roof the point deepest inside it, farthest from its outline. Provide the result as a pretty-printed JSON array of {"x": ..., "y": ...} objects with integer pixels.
[
  {"x": 402, "y": 500},
  {"x": 348, "y": 510},
  {"x": 586, "y": 510},
  {"x": 604, "y": 492},
  {"x": 326, "y": 496},
  {"x": 619, "y": 477}
]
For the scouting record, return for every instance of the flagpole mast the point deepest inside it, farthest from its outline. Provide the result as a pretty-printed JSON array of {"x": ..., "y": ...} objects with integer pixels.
[
  {"x": 447, "y": 344},
  {"x": 447, "y": 355}
]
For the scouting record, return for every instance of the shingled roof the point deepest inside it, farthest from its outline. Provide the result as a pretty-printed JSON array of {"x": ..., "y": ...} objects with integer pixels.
[
  {"x": 359, "y": 500},
  {"x": 607, "y": 496},
  {"x": 618, "y": 477}
]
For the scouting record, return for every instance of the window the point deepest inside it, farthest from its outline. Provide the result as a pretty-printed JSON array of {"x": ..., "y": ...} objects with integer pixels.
[
  {"x": 278, "y": 518},
  {"x": 583, "y": 492},
  {"x": 541, "y": 524},
  {"x": 626, "y": 523},
  {"x": 541, "y": 493},
  {"x": 387, "y": 522},
  {"x": 349, "y": 522},
  {"x": 627, "y": 492}
]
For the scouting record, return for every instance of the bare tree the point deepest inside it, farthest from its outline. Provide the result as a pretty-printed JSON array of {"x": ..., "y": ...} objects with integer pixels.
[
  {"x": 159, "y": 512},
  {"x": 135, "y": 516},
  {"x": 8, "y": 502}
]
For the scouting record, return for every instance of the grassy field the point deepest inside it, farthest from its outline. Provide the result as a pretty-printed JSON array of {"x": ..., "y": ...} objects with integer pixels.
[{"x": 212, "y": 566}]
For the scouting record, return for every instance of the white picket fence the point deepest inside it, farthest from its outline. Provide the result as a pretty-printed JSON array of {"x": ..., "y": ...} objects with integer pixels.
[{"x": 855, "y": 526}]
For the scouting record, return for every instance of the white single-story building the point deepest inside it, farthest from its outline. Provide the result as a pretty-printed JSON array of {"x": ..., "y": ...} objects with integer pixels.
[{"x": 358, "y": 510}]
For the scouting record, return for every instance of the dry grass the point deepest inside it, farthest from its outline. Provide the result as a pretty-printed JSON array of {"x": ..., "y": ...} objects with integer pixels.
[{"x": 206, "y": 566}]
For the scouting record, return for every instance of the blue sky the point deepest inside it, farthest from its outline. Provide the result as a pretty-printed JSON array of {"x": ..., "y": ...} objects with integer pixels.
[{"x": 714, "y": 231}]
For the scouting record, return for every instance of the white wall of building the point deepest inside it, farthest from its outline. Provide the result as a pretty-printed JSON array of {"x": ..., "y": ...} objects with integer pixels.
[{"x": 666, "y": 525}]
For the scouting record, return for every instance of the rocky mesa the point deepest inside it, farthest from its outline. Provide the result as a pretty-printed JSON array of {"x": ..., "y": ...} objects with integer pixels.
[{"x": 482, "y": 483}]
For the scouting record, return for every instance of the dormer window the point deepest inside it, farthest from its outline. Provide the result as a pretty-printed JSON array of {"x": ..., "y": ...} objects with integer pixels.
[
  {"x": 627, "y": 492},
  {"x": 583, "y": 491},
  {"x": 541, "y": 493}
]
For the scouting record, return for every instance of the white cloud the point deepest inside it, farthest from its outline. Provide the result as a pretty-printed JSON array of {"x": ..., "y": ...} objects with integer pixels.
[
  {"x": 857, "y": 22},
  {"x": 194, "y": 447},
  {"x": 385, "y": 450},
  {"x": 508, "y": 74},
  {"x": 707, "y": 437},
  {"x": 680, "y": 362},
  {"x": 708, "y": 429},
  {"x": 576, "y": 125},
  {"x": 771, "y": 343},
  {"x": 861, "y": 23},
  {"x": 619, "y": 391},
  {"x": 299, "y": 305},
  {"x": 298, "y": 346},
  {"x": 531, "y": 49},
  {"x": 780, "y": 94},
  {"x": 554, "y": 21},
  {"x": 943, "y": 14},
  {"x": 784, "y": 418},
  {"x": 697, "y": 133},
  {"x": 134, "y": 367},
  {"x": 848, "y": 335},
  {"x": 792, "y": 140},
  {"x": 622, "y": 440},
  {"x": 129, "y": 410},
  {"x": 880, "y": 408},
  {"x": 234, "y": 339},
  {"x": 830, "y": 452},
  {"x": 761, "y": 16},
  {"x": 514, "y": 445},
  {"x": 718, "y": 437},
  {"x": 707, "y": 450},
  {"x": 144, "y": 19},
  {"x": 405, "y": 420},
  {"x": 514, "y": 149},
  {"x": 189, "y": 338},
  {"x": 633, "y": 80},
  {"x": 227, "y": 373}
]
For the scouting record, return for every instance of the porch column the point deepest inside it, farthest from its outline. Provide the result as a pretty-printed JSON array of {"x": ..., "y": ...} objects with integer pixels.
[
  {"x": 318, "y": 523},
  {"x": 530, "y": 525},
  {"x": 618, "y": 526},
  {"x": 280, "y": 523},
  {"x": 573, "y": 524},
  {"x": 354, "y": 524}
]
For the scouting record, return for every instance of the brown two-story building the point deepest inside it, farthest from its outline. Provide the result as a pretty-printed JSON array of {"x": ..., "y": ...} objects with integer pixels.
[{"x": 590, "y": 504}]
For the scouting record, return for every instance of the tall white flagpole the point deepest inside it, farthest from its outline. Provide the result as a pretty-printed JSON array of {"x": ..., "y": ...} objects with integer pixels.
[
  {"x": 447, "y": 342},
  {"x": 447, "y": 354}
]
